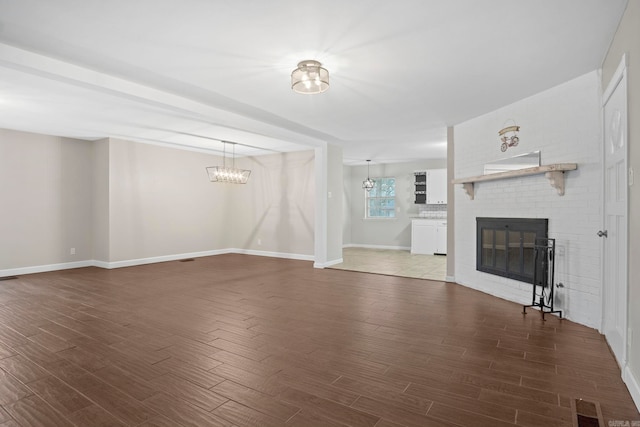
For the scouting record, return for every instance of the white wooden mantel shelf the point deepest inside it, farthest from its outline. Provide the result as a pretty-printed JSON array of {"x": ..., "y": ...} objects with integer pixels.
[{"x": 555, "y": 174}]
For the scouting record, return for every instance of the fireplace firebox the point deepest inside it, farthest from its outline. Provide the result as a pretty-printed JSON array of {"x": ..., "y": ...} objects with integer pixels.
[{"x": 507, "y": 246}]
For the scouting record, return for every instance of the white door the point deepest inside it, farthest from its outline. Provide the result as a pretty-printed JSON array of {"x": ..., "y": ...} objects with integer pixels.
[{"x": 614, "y": 322}]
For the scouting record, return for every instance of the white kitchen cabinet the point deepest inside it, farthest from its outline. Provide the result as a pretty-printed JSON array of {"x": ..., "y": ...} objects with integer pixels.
[
  {"x": 437, "y": 187},
  {"x": 428, "y": 236}
]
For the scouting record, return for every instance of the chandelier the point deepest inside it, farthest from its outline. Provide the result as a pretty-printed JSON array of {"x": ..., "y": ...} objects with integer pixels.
[
  {"x": 310, "y": 77},
  {"x": 229, "y": 175},
  {"x": 368, "y": 183}
]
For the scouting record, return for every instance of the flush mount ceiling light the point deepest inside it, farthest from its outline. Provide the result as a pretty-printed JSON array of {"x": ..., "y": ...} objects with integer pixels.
[
  {"x": 310, "y": 77},
  {"x": 368, "y": 183},
  {"x": 229, "y": 175}
]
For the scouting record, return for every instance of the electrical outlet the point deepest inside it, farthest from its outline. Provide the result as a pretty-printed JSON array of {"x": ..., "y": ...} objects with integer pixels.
[
  {"x": 72, "y": 251},
  {"x": 630, "y": 176},
  {"x": 259, "y": 241}
]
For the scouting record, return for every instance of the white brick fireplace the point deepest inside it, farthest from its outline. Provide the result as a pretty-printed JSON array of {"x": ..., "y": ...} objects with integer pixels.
[{"x": 564, "y": 123}]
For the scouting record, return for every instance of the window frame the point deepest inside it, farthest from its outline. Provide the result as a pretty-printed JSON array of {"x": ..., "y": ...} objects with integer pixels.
[{"x": 367, "y": 197}]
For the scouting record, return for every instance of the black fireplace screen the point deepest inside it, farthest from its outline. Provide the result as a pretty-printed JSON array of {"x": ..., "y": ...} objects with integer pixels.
[{"x": 506, "y": 247}]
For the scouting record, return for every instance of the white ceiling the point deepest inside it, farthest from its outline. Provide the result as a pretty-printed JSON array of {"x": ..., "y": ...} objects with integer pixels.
[{"x": 193, "y": 72}]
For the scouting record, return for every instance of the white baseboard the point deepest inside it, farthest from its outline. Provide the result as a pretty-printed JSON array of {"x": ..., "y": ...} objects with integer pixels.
[
  {"x": 451, "y": 279},
  {"x": 162, "y": 258},
  {"x": 101, "y": 264},
  {"x": 151, "y": 260},
  {"x": 396, "y": 248},
  {"x": 328, "y": 263},
  {"x": 286, "y": 255},
  {"x": 632, "y": 384},
  {"x": 45, "y": 268}
]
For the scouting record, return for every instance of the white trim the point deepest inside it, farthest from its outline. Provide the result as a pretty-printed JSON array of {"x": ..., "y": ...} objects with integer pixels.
[
  {"x": 451, "y": 279},
  {"x": 397, "y": 248},
  {"x": 161, "y": 258},
  {"x": 633, "y": 385},
  {"x": 328, "y": 263},
  {"x": 151, "y": 260},
  {"x": 101, "y": 264},
  {"x": 44, "y": 268},
  {"x": 618, "y": 78},
  {"x": 615, "y": 79},
  {"x": 299, "y": 257}
]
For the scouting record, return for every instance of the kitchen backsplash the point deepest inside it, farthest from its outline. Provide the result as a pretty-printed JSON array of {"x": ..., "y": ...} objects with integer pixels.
[{"x": 432, "y": 211}]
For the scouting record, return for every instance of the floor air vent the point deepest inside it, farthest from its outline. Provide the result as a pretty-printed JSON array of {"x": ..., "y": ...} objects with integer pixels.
[
  {"x": 187, "y": 260},
  {"x": 586, "y": 414},
  {"x": 8, "y": 278}
]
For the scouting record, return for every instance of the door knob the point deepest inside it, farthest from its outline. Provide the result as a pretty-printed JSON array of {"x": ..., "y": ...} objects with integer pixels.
[{"x": 602, "y": 233}]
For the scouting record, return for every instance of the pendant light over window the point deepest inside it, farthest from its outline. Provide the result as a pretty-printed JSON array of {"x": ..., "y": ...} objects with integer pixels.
[
  {"x": 309, "y": 78},
  {"x": 368, "y": 183}
]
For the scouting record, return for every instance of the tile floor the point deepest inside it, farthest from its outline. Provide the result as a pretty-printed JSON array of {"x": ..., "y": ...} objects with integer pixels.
[{"x": 393, "y": 262}]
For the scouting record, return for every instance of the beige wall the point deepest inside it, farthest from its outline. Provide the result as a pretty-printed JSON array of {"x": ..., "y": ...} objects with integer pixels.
[
  {"x": 117, "y": 201},
  {"x": 274, "y": 212},
  {"x": 100, "y": 200},
  {"x": 451, "y": 204},
  {"x": 45, "y": 199},
  {"x": 335, "y": 182},
  {"x": 162, "y": 203},
  {"x": 627, "y": 40}
]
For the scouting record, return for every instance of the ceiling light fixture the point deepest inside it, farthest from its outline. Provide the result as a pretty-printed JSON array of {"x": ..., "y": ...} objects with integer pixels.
[
  {"x": 368, "y": 183},
  {"x": 229, "y": 175},
  {"x": 309, "y": 78}
]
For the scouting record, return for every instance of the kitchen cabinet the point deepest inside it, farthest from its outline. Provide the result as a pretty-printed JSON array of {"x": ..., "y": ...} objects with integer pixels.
[
  {"x": 441, "y": 238},
  {"x": 429, "y": 236},
  {"x": 420, "y": 182},
  {"x": 437, "y": 187}
]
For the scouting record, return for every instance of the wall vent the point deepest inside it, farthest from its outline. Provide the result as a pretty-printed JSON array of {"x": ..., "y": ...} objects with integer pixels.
[{"x": 586, "y": 414}]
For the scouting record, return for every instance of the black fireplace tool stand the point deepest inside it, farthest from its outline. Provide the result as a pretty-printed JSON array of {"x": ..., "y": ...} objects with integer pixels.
[{"x": 544, "y": 254}]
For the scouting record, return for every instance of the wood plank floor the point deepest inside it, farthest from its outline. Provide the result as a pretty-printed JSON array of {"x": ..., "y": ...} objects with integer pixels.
[{"x": 236, "y": 340}]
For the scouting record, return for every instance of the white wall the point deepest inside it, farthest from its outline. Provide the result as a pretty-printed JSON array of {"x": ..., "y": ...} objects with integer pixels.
[
  {"x": 564, "y": 123},
  {"x": 394, "y": 232},
  {"x": 45, "y": 199},
  {"x": 626, "y": 40}
]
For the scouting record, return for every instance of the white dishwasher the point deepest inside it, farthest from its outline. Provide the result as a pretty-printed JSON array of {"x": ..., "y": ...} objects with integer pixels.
[{"x": 429, "y": 236}]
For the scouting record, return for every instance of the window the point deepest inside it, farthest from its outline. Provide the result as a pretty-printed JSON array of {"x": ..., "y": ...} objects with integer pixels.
[{"x": 380, "y": 202}]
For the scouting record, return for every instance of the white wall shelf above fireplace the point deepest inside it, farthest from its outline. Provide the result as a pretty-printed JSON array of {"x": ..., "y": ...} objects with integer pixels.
[{"x": 555, "y": 174}]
